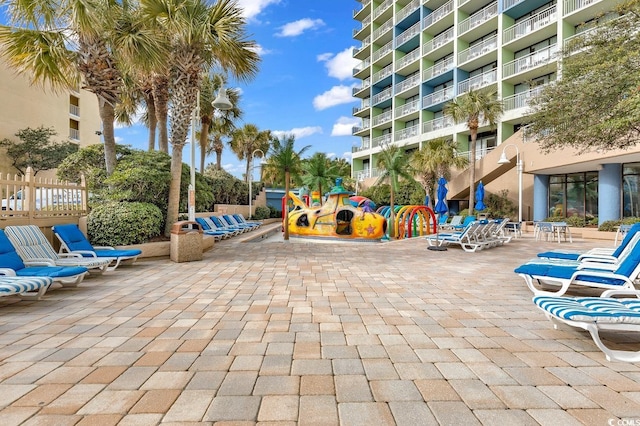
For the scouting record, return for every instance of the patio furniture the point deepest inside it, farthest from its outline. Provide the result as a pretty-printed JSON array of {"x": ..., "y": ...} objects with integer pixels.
[{"x": 30, "y": 288}]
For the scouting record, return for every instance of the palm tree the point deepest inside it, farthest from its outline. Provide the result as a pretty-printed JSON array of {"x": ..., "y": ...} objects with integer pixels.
[
  {"x": 318, "y": 172},
  {"x": 215, "y": 123},
  {"x": 394, "y": 164},
  {"x": 435, "y": 159},
  {"x": 63, "y": 42},
  {"x": 200, "y": 37},
  {"x": 244, "y": 142},
  {"x": 284, "y": 163},
  {"x": 472, "y": 108}
]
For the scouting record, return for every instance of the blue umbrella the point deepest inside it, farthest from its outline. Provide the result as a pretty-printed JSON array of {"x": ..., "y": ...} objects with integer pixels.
[
  {"x": 480, "y": 197},
  {"x": 441, "y": 205}
]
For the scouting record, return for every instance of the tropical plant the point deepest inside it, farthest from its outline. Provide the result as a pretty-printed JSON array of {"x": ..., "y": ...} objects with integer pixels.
[
  {"x": 245, "y": 141},
  {"x": 60, "y": 43},
  {"x": 319, "y": 172},
  {"x": 215, "y": 124},
  {"x": 37, "y": 150},
  {"x": 393, "y": 164},
  {"x": 200, "y": 37},
  {"x": 284, "y": 162},
  {"x": 433, "y": 160},
  {"x": 89, "y": 161},
  {"x": 475, "y": 108}
]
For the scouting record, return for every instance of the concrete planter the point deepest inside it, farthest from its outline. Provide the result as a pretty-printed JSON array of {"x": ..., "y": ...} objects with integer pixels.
[{"x": 163, "y": 248}]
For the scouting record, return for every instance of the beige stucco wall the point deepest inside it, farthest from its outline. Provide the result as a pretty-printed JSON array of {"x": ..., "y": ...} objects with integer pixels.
[{"x": 23, "y": 104}]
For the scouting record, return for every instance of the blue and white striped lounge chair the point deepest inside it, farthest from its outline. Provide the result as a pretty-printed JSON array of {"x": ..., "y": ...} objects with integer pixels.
[
  {"x": 597, "y": 254},
  {"x": 11, "y": 264},
  {"x": 33, "y": 246},
  {"x": 25, "y": 287},
  {"x": 209, "y": 228},
  {"x": 72, "y": 240},
  {"x": 595, "y": 314},
  {"x": 225, "y": 227},
  {"x": 564, "y": 276},
  {"x": 232, "y": 222}
]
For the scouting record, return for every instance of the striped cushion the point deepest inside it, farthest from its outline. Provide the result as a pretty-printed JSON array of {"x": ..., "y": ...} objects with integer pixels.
[
  {"x": 591, "y": 309},
  {"x": 30, "y": 242},
  {"x": 17, "y": 285}
]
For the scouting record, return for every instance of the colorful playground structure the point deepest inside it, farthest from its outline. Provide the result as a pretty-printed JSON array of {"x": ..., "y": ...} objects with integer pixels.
[{"x": 349, "y": 217}]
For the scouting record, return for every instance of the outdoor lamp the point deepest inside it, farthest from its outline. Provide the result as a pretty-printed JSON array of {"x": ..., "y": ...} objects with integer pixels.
[
  {"x": 504, "y": 160},
  {"x": 262, "y": 162},
  {"x": 222, "y": 102}
]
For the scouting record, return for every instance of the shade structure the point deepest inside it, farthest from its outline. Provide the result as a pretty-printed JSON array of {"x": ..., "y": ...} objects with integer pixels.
[
  {"x": 480, "y": 197},
  {"x": 441, "y": 205}
]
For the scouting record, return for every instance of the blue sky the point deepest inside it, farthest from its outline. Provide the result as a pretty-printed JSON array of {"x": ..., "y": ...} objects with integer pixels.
[{"x": 304, "y": 84}]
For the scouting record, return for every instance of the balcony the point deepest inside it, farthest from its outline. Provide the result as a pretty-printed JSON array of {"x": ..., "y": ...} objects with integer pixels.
[
  {"x": 408, "y": 59},
  {"x": 378, "y": 11},
  {"x": 383, "y": 29},
  {"x": 365, "y": 45},
  {"x": 366, "y": 124},
  {"x": 407, "y": 109},
  {"x": 438, "y": 97},
  {"x": 362, "y": 66},
  {"x": 478, "y": 81},
  {"x": 381, "y": 140},
  {"x": 74, "y": 134},
  {"x": 383, "y": 118},
  {"x": 365, "y": 6},
  {"x": 383, "y": 73},
  {"x": 74, "y": 110},
  {"x": 407, "y": 10},
  {"x": 407, "y": 35},
  {"x": 366, "y": 144},
  {"x": 438, "y": 41},
  {"x": 382, "y": 96},
  {"x": 478, "y": 50},
  {"x": 521, "y": 100},
  {"x": 409, "y": 132},
  {"x": 437, "y": 14},
  {"x": 525, "y": 63},
  {"x": 408, "y": 83},
  {"x": 365, "y": 84},
  {"x": 366, "y": 24},
  {"x": 438, "y": 69},
  {"x": 437, "y": 124},
  {"x": 571, "y": 6},
  {"x": 383, "y": 51},
  {"x": 366, "y": 104},
  {"x": 529, "y": 25},
  {"x": 478, "y": 18}
]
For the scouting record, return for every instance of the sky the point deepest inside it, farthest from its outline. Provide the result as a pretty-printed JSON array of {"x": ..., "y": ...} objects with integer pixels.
[{"x": 304, "y": 83}]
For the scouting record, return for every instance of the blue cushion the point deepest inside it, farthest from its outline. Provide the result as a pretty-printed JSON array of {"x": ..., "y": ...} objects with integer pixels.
[
  {"x": 559, "y": 255},
  {"x": 566, "y": 272},
  {"x": 51, "y": 271},
  {"x": 8, "y": 256},
  {"x": 117, "y": 253},
  {"x": 73, "y": 237}
]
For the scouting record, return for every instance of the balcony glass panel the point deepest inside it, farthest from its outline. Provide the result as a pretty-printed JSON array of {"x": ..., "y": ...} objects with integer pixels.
[
  {"x": 382, "y": 96},
  {"x": 521, "y": 100},
  {"x": 407, "y": 35},
  {"x": 381, "y": 140},
  {"x": 382, "y": 8},
  {"x": 382, "y": 51},
  {"x": 383, "y": 29},
  {"x": 383, "y": 73},
  {"x": 408, "y": 83},
  {"x": 407, "y": 10},
  {"x": 478, "y": 81}
]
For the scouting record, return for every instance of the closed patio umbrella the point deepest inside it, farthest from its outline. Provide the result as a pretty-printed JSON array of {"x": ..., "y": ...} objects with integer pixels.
[
  {"x": 480, "y": 197},
  {"x": 440, "y": 208}
]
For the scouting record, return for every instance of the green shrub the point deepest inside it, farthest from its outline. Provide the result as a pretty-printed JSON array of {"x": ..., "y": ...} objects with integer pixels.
[
  {"x": 261, "y": 213},
  {"x": 274, "y": 213},
  {"x": 611, "y": 225},
  {"x": 124, "y": 223},
  {"x": 576, "y": 221}
]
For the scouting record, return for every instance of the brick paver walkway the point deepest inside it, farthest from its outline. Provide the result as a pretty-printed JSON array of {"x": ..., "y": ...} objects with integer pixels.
[{"x": 313, "y": 334}]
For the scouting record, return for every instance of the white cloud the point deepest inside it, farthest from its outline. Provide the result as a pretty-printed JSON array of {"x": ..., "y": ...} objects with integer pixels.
[
  {"x": 343, "y": 126},
  {"x": 261, "y": 51},
  {"x": 337, "y": 95},
  {"x": 253, "y": 8},
  {"x": 298, "y": 132},
  {"x": 295, "y": 28},
  {"x": 118, "y": 139},
  {"x": 341, "y": 65},
  {"x": 331, "y": 155}
]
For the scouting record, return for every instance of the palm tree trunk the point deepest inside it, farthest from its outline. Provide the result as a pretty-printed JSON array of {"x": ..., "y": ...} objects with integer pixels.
[
  {"x": 218, "y": 160},
  {"x": 204, "y": 139},
  {"x": 153, "y": 121},
  {"x": 472, "y": 171},
  {"x": 392, "y": 215},
  {"x": 246, "y": 173},
  {"x": 161, "y": 95},
  {"x": 286, "y": 205},
  {"x": 107, "y": 115},
  {"x": 174, "y": 188}
]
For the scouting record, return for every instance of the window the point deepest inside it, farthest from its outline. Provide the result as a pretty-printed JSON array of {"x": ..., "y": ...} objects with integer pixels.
[
  {"x": 631, "y": 190},
  {"x": 574, "y": 194}
]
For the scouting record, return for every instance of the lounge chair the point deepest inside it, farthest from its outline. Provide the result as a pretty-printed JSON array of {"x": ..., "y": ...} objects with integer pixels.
[
  {"x": 595, "y": 314},
  {"x": 465, "y": 238},
  {"x": 585, "y": 274},
  {"x": 222, "y": 226},
  {"x": 241, "y": 220},
  {"x": 72, "y": 240},
  {"x": 455, "y": 221},
  {"x": 209, "y": 228},
  {"x": 33, "y": 246},
  {"x": 12, "y": 265},
  {"x": 26, "y": 287},
  {"x": 232, "y": 222}
]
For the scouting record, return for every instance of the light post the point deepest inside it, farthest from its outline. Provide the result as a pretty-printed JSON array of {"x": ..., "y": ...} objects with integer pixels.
[
  {"x": 504, "y": 160},
  {"x": 251, "y": 177},
  {"x": 223, "y": 103}
]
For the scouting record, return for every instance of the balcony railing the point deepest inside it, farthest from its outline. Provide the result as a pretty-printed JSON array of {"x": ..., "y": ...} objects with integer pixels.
[
  {"x": 367, "y": 173},
  {"x": 438, "y": 97},
  {"x": 437, "y": 14},
  {"x": 407, "y": 35},
  {"x": 382, "y": 96},
  {"x": 439, "y": 68},
  {"x": 407, "y": 108},
  {"x": 478, "y": 18},
  {"x": 365, "y": 83},
  {"x": 365, "y": 44},
  {"x": 407, "y": 133},
  {"x": 478, "y": 81},
  {"x": 74, "y": 110},
  {"x": 365, "y": 23},
  {"x": 408, "y": 83},
  {"x": 387, "y": 48},
  {"x": 74, "y": 134},
  {"x": 387, "y": 26},
  {"x": 366, "y": 123},
  {"x": 438, "y": 41},
  {"x": 510, "y": 3},
  {"x": 521, "y": 100},
  {"x": 381, "y": 140},
  {"x": 383, "y": 73},
  {"x": 366, "y": 144},
  {"x": 409, "y": 58},
  {"x": 382, "y": 8},
  {"x": 533, "y": 60},
  {"x": 362, "y": 65},
  {"x": 573, "y": 5},
  {"x": 365, "y": 104},
  {"x": 529, "y": 25},
  {"x": 407, "y": 10},
  {"x": 479, "y": 49},
  {"x": 382, "y": 118},
  {"x": 437, "y": 124},
  {"x": 365, "y": 4}
]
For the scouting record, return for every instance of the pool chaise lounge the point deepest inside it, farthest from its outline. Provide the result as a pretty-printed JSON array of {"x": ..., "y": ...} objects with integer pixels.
[
  {"x": 72, "y": 240},
  {"x": 595, "y": 314},
  {"x": 31, "y": 288}
]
